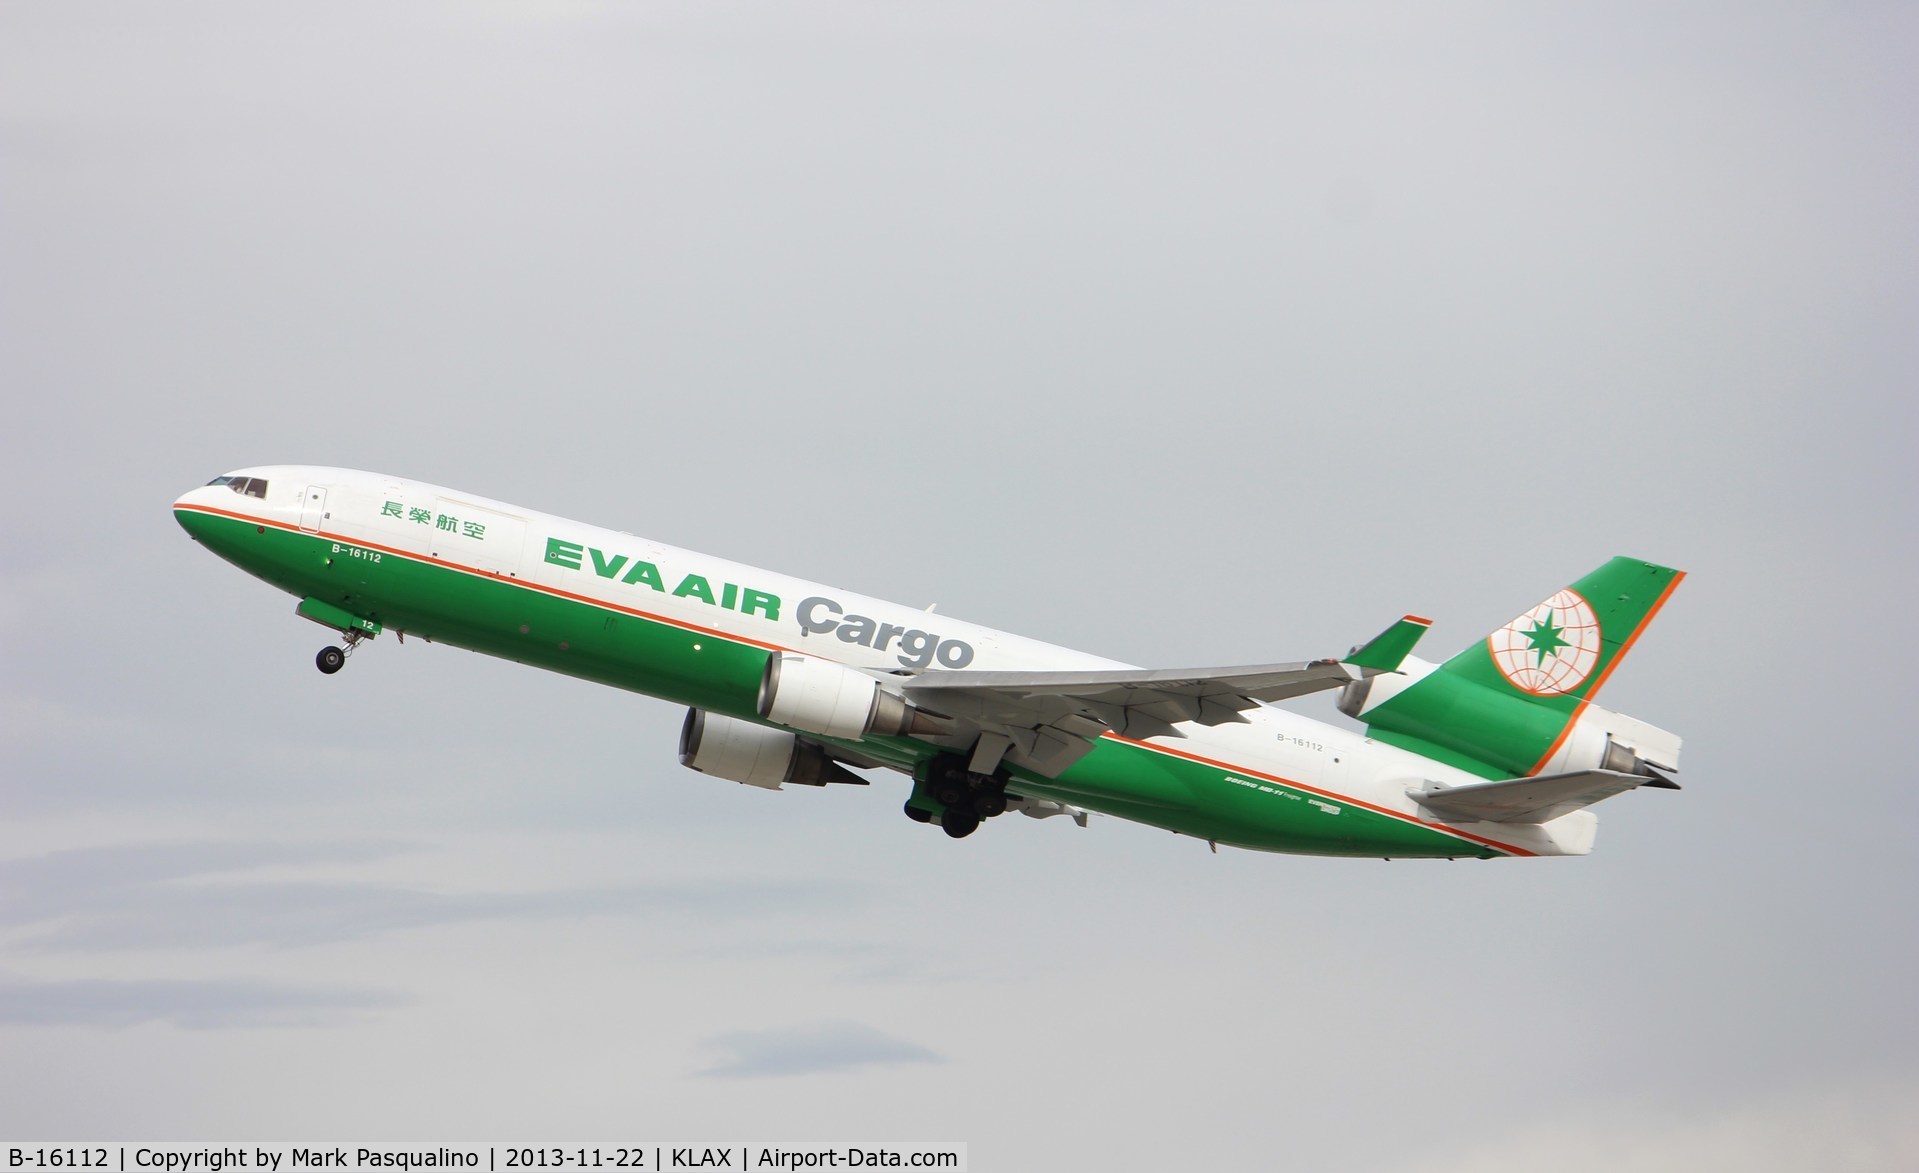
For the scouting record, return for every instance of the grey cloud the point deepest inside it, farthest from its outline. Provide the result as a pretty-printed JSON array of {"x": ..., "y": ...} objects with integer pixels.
[
  {"x": 810, "y": 1050},
  {"x": 193, "y": 1004},
  {"x": 73, "y": 878},
  {"x": 170, "y": 896},
  {"x": 866, "y": 962}
]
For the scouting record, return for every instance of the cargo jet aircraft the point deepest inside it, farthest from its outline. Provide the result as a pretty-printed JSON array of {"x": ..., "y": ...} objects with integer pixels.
[{"x": 1496, "y": 752}]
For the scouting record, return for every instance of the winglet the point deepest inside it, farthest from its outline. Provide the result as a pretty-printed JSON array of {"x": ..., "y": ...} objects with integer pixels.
[{"x": 1383, "y": 652}]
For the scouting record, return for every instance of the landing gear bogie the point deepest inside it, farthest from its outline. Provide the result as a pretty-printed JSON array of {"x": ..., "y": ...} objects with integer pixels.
[
  {"x": 965, "y": 799},
  {"x": 958, "y": 822},
  {"x": 948, "y": 781},
  {"x": 949, "y": 793},
  {"x": 989, "y": 804}
]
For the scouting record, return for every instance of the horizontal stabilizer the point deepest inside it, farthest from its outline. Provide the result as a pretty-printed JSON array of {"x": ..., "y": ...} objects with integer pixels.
[{"x": 1528, "y": 800}]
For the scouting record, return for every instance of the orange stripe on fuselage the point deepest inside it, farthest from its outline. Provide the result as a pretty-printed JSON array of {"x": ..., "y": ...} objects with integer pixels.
[
  {"x": 429, "y": 560},
  {"x": 1346, "y": 798}
]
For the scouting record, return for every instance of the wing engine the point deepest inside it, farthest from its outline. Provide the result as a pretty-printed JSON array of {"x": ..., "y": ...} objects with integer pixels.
[
  {"x": 833, "y": 700},
  {"x": 755, "y": 755}
]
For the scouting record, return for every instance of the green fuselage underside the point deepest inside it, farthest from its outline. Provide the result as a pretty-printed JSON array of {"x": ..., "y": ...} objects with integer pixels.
[{"x": 515, "y": 620}]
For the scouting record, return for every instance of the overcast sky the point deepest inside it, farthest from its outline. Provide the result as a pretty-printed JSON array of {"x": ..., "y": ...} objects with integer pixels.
[{"x": 1181, "y": 335}]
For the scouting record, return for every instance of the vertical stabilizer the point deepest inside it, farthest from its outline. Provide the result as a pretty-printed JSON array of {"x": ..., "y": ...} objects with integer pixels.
[{"x": 1504, "y": 705}]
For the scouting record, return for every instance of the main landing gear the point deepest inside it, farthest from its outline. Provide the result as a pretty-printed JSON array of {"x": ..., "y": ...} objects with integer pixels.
[
  {"x": 331, "y": 659},
  {"x": 967, "y": 799}
]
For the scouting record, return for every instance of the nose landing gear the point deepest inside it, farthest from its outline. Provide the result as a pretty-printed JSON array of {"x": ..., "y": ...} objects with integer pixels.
[
  {"x": 331, "y": 659},
  {"x": 353, "y": 628}
]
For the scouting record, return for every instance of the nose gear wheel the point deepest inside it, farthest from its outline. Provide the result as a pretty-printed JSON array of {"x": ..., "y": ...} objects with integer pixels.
[{"x": 332, "y": 659}]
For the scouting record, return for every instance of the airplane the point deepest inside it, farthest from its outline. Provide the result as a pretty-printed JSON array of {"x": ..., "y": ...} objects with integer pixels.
[{"x": 1497, "y": 752}]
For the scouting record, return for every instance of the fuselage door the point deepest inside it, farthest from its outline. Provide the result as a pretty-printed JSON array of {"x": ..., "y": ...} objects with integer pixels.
[{"x": 313, "y": 508}]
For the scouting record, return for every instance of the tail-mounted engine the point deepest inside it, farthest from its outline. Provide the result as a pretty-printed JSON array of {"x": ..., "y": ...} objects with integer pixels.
[
  {"x": 1463, "y": 713},
  {"x": 754, "y": 755},
  {"x": 832, "y": 700},
  {"x": 1604, "y": 740}
]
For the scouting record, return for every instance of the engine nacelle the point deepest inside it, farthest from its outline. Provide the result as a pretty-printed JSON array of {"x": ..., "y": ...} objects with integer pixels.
[
  {"x": 832, "y": 700},
  {"x": 754, "y": 755},
  {"x": 1604, "y": 740}
]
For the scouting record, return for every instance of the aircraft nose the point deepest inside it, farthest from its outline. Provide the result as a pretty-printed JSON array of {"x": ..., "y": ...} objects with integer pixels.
[
  {"x": 186, "y": 511},
  {"x": 197, "y": 495}
]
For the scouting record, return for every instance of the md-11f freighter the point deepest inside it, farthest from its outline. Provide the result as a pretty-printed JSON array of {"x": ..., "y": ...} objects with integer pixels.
[{"x": 1499, "y": 751}]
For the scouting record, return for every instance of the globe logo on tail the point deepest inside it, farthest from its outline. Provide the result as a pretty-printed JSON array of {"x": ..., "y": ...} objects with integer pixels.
[{"x": 1551, "y": 649}]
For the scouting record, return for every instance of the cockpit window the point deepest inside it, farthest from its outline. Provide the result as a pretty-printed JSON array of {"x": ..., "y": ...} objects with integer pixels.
[{"x": 245, "y": 486}]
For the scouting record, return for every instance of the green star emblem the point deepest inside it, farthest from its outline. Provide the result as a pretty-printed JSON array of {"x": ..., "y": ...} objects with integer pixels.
[{"x": 1545, "y": 639}]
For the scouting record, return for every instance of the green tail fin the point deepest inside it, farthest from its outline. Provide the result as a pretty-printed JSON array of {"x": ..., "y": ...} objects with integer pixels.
[
  {"x": 1501, "y": 705},
  {"x": 1561, "y": 651}
]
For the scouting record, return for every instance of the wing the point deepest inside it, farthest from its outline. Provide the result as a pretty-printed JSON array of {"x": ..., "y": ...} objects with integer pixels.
[
  {"x": 1530, "y": 800},
  {"x": 1046, "y": 721}
]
